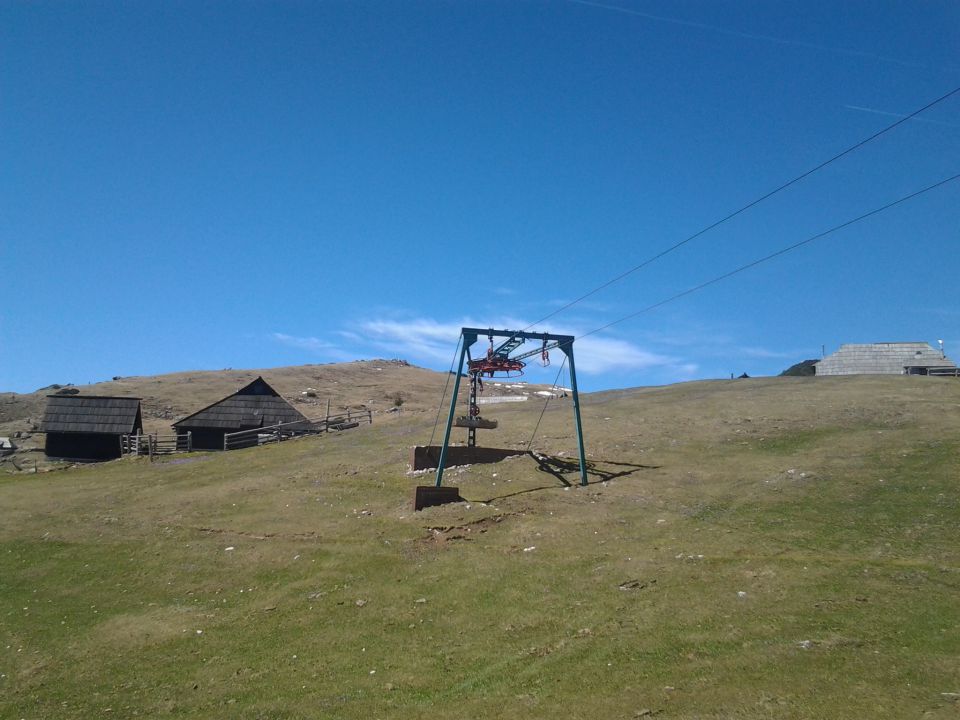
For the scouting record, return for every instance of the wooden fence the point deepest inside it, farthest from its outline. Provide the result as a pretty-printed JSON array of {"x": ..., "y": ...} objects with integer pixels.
[
  {"x": 270, "y": 434},
  {"x": 286, "y": 431},
  {"x": 345, "y": 422},
  {"x": 152, "y": 445}
]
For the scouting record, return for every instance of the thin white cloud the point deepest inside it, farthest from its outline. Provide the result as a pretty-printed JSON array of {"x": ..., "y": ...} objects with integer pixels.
[
  {"x": 597, "y": 355},
  {"x": 707, "y": 343},
  {"x": 950, "y": 312},
  {"x": 763, "y": 353},
  {"x": 420, "y": 338},
  {"x": 430, "y": 342},
  {"x": 349, "y": 335},
  {"x": 313, "y": 345},
  {"x": 583, "y": 305},
  {"x": 428, "y": 339},
  {"x": 750, "y": 36},
  {"x": 918, "y": 118},
  {"x": 686, "y": 336}
]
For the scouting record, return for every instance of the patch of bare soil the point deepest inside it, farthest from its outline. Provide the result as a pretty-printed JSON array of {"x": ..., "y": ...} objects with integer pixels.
[{"x": 439, "y": 535}]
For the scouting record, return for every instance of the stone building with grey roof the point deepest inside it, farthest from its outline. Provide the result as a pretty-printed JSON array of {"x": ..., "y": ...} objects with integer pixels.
[{"x": 904, "y": 358}]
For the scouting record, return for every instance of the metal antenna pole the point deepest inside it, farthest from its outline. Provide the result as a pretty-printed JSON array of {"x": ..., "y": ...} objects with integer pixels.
[{"x": 568, "y": 350}]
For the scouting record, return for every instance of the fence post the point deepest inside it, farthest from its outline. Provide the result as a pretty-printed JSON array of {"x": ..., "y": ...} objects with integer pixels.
[
  {"x": 189, "y": 441},
  {"x": 150, "y": 447}
]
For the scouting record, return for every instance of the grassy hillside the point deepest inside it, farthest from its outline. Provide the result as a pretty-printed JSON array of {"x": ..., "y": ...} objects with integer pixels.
[{"x": 784, "y": 547}]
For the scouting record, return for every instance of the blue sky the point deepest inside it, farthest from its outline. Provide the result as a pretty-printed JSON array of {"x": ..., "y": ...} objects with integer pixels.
[{"x": 251, "y": 184}]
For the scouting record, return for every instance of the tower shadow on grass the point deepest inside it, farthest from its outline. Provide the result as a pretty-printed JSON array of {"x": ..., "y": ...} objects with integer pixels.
[{"x": 559, "y": 467}]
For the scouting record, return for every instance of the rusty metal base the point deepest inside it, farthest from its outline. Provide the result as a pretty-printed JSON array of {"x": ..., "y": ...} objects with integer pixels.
[
  {"x": 430, "y": 495},
  {"x": 475, "y": 422}
]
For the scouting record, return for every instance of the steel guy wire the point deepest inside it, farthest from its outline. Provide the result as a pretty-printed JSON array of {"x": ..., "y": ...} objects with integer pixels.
[{"x": 444, "y": 394}]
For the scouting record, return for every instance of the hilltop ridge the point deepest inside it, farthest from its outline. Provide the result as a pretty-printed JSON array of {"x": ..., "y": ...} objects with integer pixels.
[{"x": 378, "y": 385}]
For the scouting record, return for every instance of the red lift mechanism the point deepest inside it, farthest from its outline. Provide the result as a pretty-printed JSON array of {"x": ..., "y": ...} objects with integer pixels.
[{"x": 497, "y": 363}]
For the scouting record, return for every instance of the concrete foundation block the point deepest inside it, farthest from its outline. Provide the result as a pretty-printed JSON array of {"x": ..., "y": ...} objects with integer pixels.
[
  {"x": 430, "y": 495},
  {"x": 424, "y": 457}
]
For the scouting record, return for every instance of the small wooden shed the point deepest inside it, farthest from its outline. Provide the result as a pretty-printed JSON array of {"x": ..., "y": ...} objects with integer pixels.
[
  {"x": 88, "y": 427},
  {"x": 255, "y": 406}
]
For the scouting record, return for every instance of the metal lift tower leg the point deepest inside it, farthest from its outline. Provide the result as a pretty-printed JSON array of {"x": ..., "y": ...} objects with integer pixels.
[
  {"x": 568, "y": 350},
  {"x": 468, "y": 340}
]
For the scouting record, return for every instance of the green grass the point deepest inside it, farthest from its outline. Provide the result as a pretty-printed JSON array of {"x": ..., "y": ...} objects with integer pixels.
[{"x": 849, "y": 583}]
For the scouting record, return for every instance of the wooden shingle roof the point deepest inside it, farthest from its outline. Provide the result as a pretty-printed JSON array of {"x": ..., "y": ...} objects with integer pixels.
[
  {"x": 256, "y": 405},
  {"x": 91, "y": 414}
]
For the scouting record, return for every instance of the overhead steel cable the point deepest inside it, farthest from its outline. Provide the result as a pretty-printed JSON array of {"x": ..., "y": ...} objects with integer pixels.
[
  {"x": 549, "y": 398},
  {"x": 773, "y": 255},
  {"x": 444, "y": 394},
  {"x": 743, "y": 209}
]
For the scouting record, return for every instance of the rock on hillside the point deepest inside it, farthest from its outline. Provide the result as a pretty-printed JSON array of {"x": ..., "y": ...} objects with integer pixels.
[{"x": 804, "y": 368}]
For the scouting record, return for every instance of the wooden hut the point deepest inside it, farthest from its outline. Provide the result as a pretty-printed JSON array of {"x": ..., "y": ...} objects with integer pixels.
[
  {"x": 255, "y": 406},
  {"x": 88, "y": 427}
]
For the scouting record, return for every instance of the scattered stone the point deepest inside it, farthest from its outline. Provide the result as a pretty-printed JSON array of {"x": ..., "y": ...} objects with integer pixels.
[
  {"x": 228, "y": 549},
  {"x": 635, "y": 584},
  {"x": 530, "y": 549},
  {"x": 420, "y": 601},
  {"x": 741, "y": 594},
  {"x": 360, "y": 603},
  {"x": 805, "y": 644}
]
